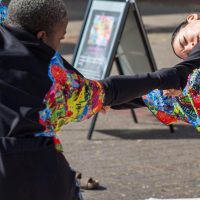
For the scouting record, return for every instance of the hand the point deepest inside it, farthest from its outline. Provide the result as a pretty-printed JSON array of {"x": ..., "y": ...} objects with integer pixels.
[
  {"x": 105, "y": 109},
  {"x": 172, "y": 92}
]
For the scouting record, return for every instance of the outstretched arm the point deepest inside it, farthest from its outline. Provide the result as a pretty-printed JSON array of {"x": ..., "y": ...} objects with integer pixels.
[
  {"x": 83, "y": 98},
  {"x": 122, "y": 89},
  {"x": 175, "y": 77}
]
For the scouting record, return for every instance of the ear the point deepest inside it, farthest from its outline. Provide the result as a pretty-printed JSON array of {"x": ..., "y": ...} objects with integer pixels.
[
  {"x": 42, "y": 35},
  {"x": 192, "y": 17}
]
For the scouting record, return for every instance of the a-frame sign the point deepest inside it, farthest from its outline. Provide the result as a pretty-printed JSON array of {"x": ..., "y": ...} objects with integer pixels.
[{"x": 112, "y": 31}]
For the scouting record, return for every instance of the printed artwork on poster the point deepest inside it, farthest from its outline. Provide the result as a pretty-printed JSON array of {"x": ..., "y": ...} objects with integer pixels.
[
  {"x": 98, "y": 43},
  {"x": 101, "y": 30}
]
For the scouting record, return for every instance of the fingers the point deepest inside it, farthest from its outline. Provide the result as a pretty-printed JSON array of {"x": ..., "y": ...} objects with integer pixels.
[
  {"x": 172, "y": 92},
  {"x": 105, "y": 109}
]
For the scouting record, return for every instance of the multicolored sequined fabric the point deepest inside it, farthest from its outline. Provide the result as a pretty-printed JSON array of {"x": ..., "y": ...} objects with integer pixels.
[
  {"x": 71, "y": 98},
  {"x": 172, "y": 109},
  {"x": 3, "y": 12}
]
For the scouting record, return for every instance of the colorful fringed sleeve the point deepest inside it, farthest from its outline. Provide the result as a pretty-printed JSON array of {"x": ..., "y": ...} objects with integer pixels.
[
  {"x": 72, "y": 98},
  {"x": 3, "y": 12},
  {"x": 172, "y": 109}
]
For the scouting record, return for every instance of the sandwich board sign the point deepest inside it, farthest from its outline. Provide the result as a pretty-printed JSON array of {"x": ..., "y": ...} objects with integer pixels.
[{"x": 112, "y": 31}]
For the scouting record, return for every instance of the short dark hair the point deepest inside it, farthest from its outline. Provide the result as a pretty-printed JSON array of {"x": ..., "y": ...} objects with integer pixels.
[
  {"x": 36, "y": 15},
  {"x": 176, "y": 31}
]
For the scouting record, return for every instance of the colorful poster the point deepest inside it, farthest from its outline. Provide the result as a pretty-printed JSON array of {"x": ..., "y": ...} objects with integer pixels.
[
  {"x": 94, "y": 56},
  {"x": 101, "y": 30}
]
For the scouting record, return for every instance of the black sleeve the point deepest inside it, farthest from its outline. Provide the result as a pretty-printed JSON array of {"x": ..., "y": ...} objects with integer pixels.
[{"x": 122, "y": 89}]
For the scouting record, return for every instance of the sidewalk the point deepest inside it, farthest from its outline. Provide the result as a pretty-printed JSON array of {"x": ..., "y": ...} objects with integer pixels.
[{"x": 144, "y": 160}]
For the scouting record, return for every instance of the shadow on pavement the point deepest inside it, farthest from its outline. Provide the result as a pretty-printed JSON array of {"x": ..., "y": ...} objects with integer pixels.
[
  {"x": 181, "y": 132},
  {"x": 147, "y": 7},
  {"x": 100, "y": 188},
  {"x": 77, "y": 8}
]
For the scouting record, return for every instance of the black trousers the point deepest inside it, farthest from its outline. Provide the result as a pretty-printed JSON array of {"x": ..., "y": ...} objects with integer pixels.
[{"x": 31, "y": 169}]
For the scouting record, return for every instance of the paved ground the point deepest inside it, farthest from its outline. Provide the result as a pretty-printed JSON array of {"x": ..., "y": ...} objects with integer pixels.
[{"x": 137, "y": 161}]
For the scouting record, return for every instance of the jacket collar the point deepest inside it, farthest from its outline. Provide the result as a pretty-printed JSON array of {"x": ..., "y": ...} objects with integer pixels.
[{"x": 34, "y": 45}]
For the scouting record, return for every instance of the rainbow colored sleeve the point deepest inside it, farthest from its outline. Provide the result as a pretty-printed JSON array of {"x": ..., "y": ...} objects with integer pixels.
[
  {"x": 3, "y": 12},
  {"x": 172, "y": 109},
  {"x": 72, "y": 98}
]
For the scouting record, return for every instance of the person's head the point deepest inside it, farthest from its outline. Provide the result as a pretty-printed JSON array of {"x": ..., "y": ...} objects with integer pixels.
[
  {"x": 186, "y": 36},
  {"x": 46, "y": 19}
]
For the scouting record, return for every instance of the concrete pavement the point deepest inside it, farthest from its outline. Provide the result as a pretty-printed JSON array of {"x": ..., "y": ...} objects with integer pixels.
[{"x": 137, "y": 161}]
